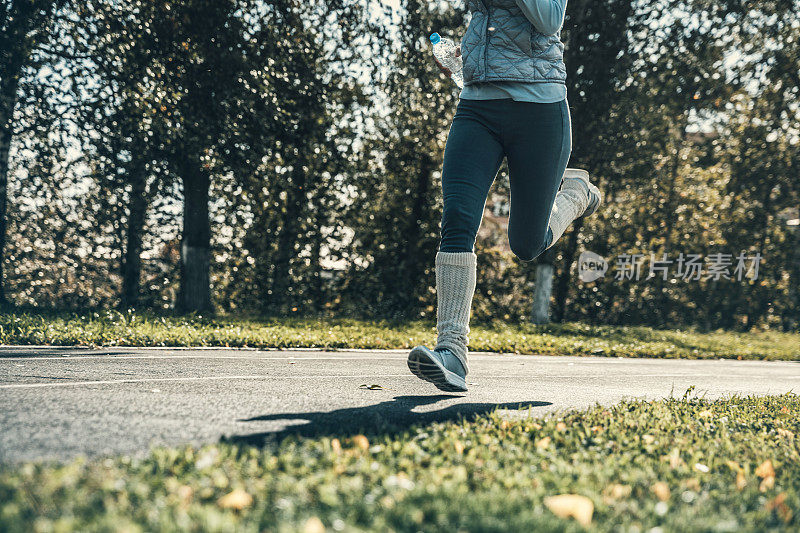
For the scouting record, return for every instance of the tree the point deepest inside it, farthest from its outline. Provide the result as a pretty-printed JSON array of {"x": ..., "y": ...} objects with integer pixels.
[
  {"x": 397, "y": 210},
  {"x": 596, "y": 36},
  {"x": 112, "y": 91},
  {"x": 24, "y": 26},
  {"x": 667, "y": 70},
  {"x": 178, "y": 82},
  {"x": 764, "y": 157},
  {"x": 296, "y": 191}
]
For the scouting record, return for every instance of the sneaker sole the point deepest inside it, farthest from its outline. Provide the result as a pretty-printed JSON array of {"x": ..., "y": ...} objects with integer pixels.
[{"x": 426, "y": 367}]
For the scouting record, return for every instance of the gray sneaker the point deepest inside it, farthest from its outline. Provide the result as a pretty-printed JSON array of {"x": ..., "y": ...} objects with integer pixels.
[
  {"x": 441, "y": 368},
  {"x": 580, "y": 178}
]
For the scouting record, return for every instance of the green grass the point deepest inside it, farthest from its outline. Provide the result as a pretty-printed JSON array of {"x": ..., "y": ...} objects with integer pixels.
[
  {"x": 678, "y": 464},
  {"x": 112, "y": 328}
]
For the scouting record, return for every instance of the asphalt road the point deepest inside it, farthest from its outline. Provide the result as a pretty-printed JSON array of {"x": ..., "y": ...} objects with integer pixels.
[{"x": 57, "y": 403}]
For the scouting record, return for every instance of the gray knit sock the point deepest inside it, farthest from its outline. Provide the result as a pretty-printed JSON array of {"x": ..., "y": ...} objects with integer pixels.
[
  {"x": 455, "y": 285},
  {"x": 571, "y": 202}
]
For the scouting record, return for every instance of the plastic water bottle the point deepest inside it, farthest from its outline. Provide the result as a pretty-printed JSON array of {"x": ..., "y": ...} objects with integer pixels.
[{"x": 444, "y": 50}]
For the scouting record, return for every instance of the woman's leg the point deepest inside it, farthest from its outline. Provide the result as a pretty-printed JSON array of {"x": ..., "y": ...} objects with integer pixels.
[
  {"x": 471, "y": 159},
  {"x": 472, "y": 156},
  {"x": 538, "y": 141}
]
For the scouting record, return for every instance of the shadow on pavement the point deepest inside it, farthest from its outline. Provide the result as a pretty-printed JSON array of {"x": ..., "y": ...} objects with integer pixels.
[{"x": 384, "y": 418}]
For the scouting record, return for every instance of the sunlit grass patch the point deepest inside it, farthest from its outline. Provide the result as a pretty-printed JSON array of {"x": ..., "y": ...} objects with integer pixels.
[
  {"x": 677, "y": 464},
  {"x": 112, "y": 328}
]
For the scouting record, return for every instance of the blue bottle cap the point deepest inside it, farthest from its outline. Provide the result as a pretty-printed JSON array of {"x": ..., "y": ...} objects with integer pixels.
[{"x": 435, "y": 38}]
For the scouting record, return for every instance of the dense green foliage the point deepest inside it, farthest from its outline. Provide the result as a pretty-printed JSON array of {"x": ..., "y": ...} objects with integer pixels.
[
  {"x": 676, "y": 464},
  {"x": 113, "y": 328},
  {"x": 283, "y": 156}
]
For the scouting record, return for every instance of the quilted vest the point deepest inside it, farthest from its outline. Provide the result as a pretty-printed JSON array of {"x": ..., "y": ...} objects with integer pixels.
[{"x": 501, "y": 44}]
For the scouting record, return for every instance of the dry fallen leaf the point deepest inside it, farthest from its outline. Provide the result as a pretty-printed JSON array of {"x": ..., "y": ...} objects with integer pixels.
[
  {"x": 778, "y": 503},
  {"x": 775, "y": 502},
  {"x": 692, "y": 484},
  {"x": 733, "y": 465},
  {"x": 765, "y": 469},
  {"x": 459, "y": 447},
  {"x": 648, "y": 439},
  {"x": 185, "y": 493},
  {"x": 617, "y": 491},
  {"x": 741, "y": 481},
  {"x": 336, "y": 446},
  {"x": 361, "y": 441},
  {"x": 766, "y": 483},
  {"x": 785, "y": 433},
  {"x": 576, "y": 506},
  {"x": 543, "y": 443},
  {"x": 674, "y": 458},
  {"x": 561, "y": 426},
  {"x": 238, "y": 499},
  {"x": 661, "y": 490},
  {"x": 785, "y": 512},
  {"x": 313, "y": 525}
]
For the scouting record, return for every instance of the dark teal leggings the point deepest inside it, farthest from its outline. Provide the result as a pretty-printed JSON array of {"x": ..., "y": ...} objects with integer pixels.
[{"x": 536, "y": 139}]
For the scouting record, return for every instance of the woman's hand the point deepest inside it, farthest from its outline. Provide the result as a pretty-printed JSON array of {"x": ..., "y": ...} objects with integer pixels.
[{"x": 444, "y": 69}]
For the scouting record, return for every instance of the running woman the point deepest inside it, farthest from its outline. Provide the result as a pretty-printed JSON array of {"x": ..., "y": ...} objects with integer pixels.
[{"x": 513, "y": 105}]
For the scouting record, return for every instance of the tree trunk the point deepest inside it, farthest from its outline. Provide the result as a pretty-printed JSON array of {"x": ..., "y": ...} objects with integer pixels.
[
  {"x": 669, "y": 208},
  {"x": 758, "y": 311},
  {"x": 665, "y": 303},
  {"x": 195, "y": 293},
  {"x": 132, "y": 262},
  {"x": 794, "y": 322},
  {"x": 24, "y": 24},
  {"x": 5, "y": 144},
  {"x": 414, "y": 263},
  {"x": 316, "y": 289},
  {"x": 8, "y": 101},
  {"x": 287, "y": 240},
  {"x": 543, "y": 289},
  {"x": 562, "y": 289}
]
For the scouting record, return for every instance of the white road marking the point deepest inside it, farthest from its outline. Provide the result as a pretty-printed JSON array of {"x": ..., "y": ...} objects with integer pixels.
[
  {"x": 248, "y": 358},
  {"x": 198, "y": 378},
  {"x": 369, "y": 376},
  {"x": 376, "y": 356}
]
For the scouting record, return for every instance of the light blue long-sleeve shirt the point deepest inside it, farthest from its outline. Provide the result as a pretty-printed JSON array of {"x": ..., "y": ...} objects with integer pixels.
[{"x": 547, "y": 16}]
